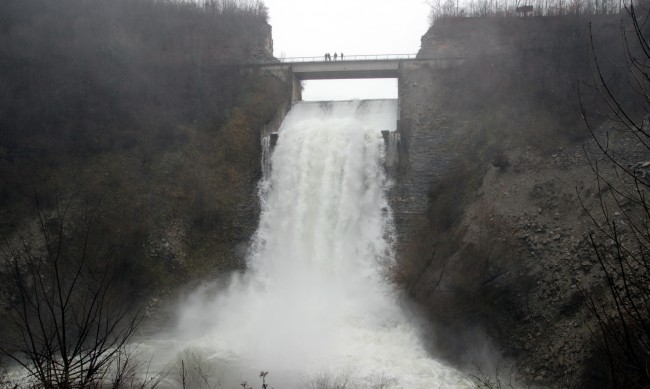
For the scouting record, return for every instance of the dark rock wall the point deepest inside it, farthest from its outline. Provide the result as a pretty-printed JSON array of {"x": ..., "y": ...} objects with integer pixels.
[
  {"x": 262, "y": 49},
  {"x": 430, "y": 140},
  {"x": 528, "y": 212}
]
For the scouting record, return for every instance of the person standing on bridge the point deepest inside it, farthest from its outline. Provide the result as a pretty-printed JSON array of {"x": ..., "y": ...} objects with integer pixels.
[
  {"x": 341, "y": 56},
  {"x": 335, "y": 56},
  {"x": 325, "y": 56}
]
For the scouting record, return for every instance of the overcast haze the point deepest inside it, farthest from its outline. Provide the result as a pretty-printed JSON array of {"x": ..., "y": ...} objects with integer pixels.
[{"x": 305, "y": 28}]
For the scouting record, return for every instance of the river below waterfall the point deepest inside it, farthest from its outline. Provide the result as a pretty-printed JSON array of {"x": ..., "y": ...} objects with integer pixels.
[{"x": 314, "y": 304}]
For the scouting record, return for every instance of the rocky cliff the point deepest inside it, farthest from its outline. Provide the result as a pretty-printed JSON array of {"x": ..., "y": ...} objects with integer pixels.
[{"x": 493, "y": 191}]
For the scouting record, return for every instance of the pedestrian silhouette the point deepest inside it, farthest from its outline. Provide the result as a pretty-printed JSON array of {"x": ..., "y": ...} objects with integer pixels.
[
  {"x": 325, "y": 56},
  {"x": 341, "y": 56},
  {"x": 335, "y": 55}
]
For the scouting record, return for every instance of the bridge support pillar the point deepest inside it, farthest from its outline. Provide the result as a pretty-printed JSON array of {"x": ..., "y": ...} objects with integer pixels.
[
  {"x": 384, "y": 134},
  {"x": 296, "y": 93}
]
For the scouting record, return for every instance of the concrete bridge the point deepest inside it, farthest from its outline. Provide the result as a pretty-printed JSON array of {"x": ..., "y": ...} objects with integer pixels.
[
  {"x": 397, "y": 66},
  {"x": 350, "y": 67}
]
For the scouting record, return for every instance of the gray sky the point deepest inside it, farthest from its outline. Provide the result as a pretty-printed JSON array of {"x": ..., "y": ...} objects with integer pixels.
[{"x": 304, "y": 28}]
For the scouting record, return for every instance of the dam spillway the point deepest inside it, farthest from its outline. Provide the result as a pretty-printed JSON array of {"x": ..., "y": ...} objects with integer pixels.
[{"x": 315, "y": 299}]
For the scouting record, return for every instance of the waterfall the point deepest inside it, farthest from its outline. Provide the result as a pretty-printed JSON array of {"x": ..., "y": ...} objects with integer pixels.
[
  {"x": 266, "y": 158},
  {"x": 314, "y": 299}
]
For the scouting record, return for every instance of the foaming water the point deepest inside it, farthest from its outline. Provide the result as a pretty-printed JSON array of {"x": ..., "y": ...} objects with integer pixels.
[{"x": 313, "y": 300}]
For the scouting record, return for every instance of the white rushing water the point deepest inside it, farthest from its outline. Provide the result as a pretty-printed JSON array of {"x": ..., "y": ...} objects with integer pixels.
[{"x": 314, "y": 300}]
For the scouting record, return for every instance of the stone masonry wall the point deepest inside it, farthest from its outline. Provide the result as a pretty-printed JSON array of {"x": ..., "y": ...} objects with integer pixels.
[{"x": 430, "y": 141}]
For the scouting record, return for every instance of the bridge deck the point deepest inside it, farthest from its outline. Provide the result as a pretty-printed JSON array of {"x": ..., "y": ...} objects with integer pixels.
[
  {"x": 365, "y": 66},
  {"x": 373, "y": 57},
  {"x": 346, "y": 69},
  {"x": 351, "y": 67}
]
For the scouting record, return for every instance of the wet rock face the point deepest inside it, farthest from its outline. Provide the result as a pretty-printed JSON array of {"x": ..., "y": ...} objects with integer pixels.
[
  {"x": 539, "y": 320},
  {"x": 170, "y": 247},
  {"x": 537, "y": 206},
  {"x": 531, "y": 200}
]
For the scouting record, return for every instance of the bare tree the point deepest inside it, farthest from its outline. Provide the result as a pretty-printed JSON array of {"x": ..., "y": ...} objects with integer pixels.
[
  {"x": 490, "y": 8},
  {"x": 71, "y": 325},
  {"x": 621, "y": 240}
]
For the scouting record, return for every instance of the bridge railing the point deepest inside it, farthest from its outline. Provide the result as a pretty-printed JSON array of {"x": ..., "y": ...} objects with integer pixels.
[{"x": 346, "y": 57}]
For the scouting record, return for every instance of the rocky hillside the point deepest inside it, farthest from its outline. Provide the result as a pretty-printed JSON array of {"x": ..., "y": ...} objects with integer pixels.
[
  {"x": 137, "y": 108},
  {"x": 497, "y": 184}
]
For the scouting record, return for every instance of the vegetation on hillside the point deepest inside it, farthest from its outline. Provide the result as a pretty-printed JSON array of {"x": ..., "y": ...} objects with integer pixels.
[
  {"x": 70, "y": 315},
  {"x": 621, "y": 238},
  {"x": 89, "y": 76},
  {"x": 506, "y": 8},
  {"x": 129, "y": 156},
  {"x": 139, "y": 103}
]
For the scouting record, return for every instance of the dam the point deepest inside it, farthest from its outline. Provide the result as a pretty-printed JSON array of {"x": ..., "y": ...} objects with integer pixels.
[{"x": 397, "y": 66}]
